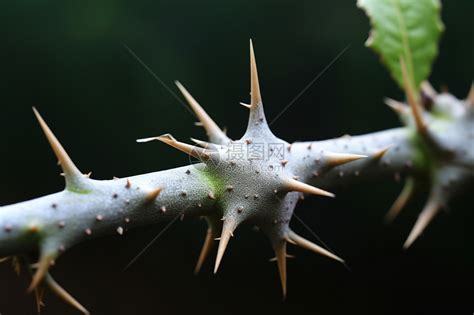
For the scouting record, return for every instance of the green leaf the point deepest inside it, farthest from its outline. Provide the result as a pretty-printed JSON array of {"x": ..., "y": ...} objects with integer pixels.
[{"x": 408, "y": 30}]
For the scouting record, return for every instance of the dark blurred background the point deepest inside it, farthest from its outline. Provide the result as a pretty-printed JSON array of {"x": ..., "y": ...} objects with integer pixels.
[{"x": 68, "y": 59}]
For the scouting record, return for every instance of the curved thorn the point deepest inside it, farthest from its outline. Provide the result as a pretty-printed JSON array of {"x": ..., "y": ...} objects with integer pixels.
[
  {"x": 412, "y": 99},
  {"x": 71, "y": 172},
  {"x": 213, "y": 131},
  {"x": 198, "y": 153},
  {"x": 302, "y": 242},
  {"x": 42, "y": 268},
  {"x": 377, "y": 155},
  {"x": 335, "y": 159},
  {"x": 396, "y": 106},
  {"x": 294, "y": 185},
  {"x": 429, "y": 212},
  {"x": 255, "y": 97},
  {"x": 401, "y": 201},
  {"x": 280, "y": 252},
  {"x": 227, "y": 232},
  {"x": 63, "y": 294},
  {"x": 245, "y": 105}
]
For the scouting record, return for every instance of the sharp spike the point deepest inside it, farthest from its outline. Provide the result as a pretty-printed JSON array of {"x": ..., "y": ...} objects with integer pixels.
[
  {"x": 470, "y": 97},
  {"x": 213, "y": 131},
  {"x": 256, "y": 98},
  {"x": 377, "y": 155},
  {"x": 71, "y": 172},
  {"x": 227, "y": 232},
  {"x": 429, "y": 212},
  {"x": 335, "y": 159},
  {"x": 412, "y": 99},
  {"x": 402, "y": 200},
  {"x": 42, "y": 268},
  {"x": 246, "y": 105},
  {"x": 302, "y": 242},
  {"x": 280, "y": 252},
  {"x": 206, "y": 248},
  {"x": 294, "y": 185},
  {"x": 198, "y": 153},
  {"x": 428, "y": 89},
  {"x": 152, "y": 195},
  {"x": 63, "y": 294},
  {"x": 398, "y": 107}
]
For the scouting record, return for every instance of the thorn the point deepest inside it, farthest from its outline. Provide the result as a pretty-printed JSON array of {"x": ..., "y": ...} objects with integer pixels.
[
  {"x": 4, "y": 259},
  {"x": 398, "y": 107},
  {"x": 470, "y": 97},
  {"x": 129, "y": 184},
  {"x": 431, "y": 209},
  {"x": 227, "y": 232},
  {"x": 280, "y": 252},
  {"x": 412, "y": 100},
  {"x": 71, "y": 172},
  {"x": 65, "y": 296},
  {"x": 206, "y": 248},
  {"x": 377, "y": 155},
  {"x": 120, "y": 230},
  {"x": 304, "y": 243},
  {"x": 294, "y": 185},
  {"x": 88, "y": 175},
  {"x": 428, "y": 89},
  {"x": 204, "y": 144},
  {"x": 255, "y": 97},
  {"x": 39, "y": 295},
  {"x": 198, "y": 153},
  {"x": 42, "y": 268},
  {"x": 152, "y": 195},
  {"x": 335, "y": 159},
  {"x": 213, "y": 131},
  {"x": 402, "y": 200},
  {"x": 246, "y": 105},
  {"x": 284, "y": 162}
]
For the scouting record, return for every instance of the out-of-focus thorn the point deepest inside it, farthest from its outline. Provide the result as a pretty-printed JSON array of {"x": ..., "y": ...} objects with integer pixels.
[
  {"x": 377, "y": 155},
  {"x": 42, "y": 267},
  {"x": 432, "y": 207},
  {"x": 294, "y": 238},
  {"x": 63, "y": 294},
  {"x": 211, "y": 234},
  {"x": 213, "y": 131},
  {"x": 280, "y": 252},
  {"x": 4, "y": 259},
  {"x": 71, "y": 172},
  {"x": 398, "y": 107},
  {"x": 16, "y": 265},
  {"x": 401, "y": 201},
  {"x": 335, "y": 159},
  {"x": 204, "y": 144},
  {"x": 470, "y": 97},
  {"x": 246, "y": 105},
  {"x": 255, "y": 97},
  {"x": 39, "y": 295},
  {"x": 152, "y": 195},
  {"x": 428, "y": 90},
  {"x": 198, "y": 153},
  {"x": 227, "y": 231},
  {"x": 412, "y": 99},
  {"x": 294, "y": 185}
]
